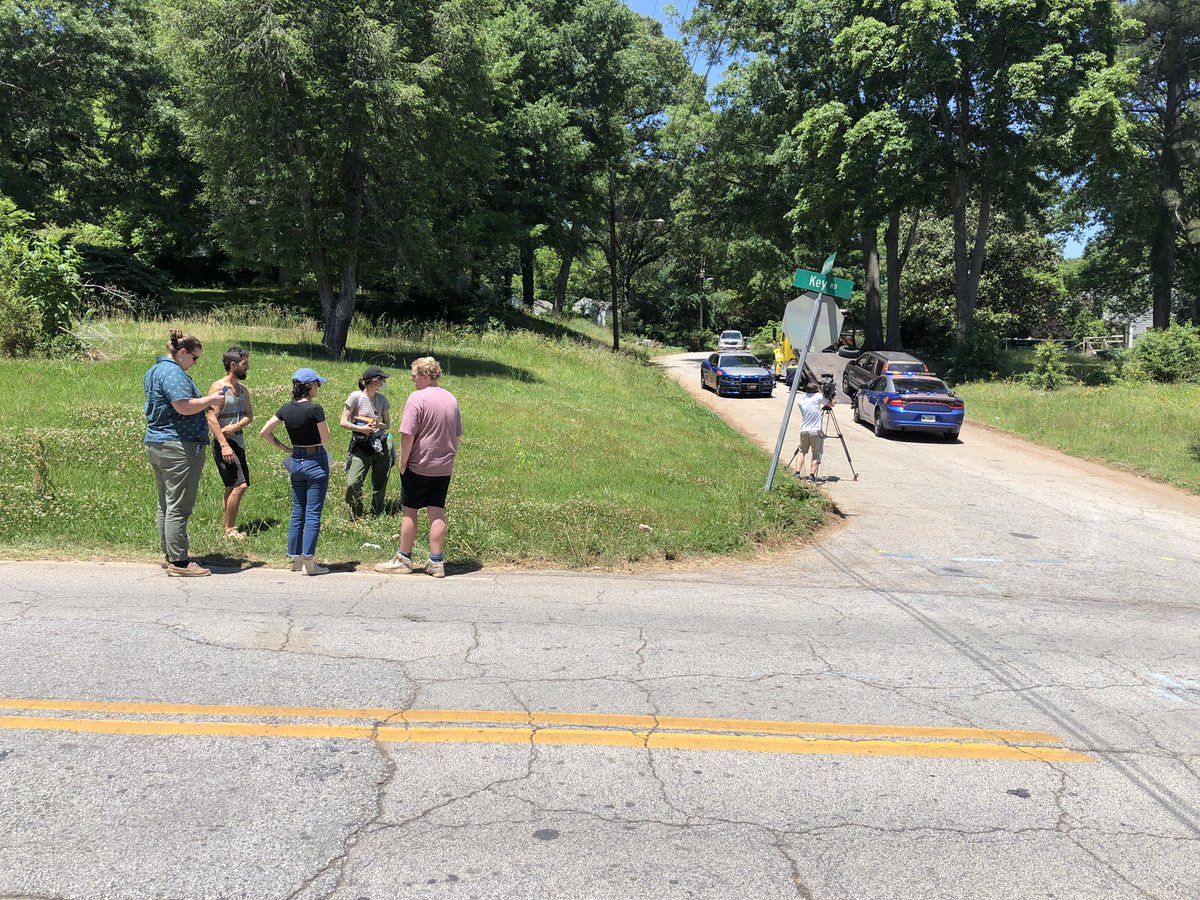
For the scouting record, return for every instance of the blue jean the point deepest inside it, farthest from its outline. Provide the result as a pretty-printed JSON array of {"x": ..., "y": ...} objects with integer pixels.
[{"x": 310, "y": 482}]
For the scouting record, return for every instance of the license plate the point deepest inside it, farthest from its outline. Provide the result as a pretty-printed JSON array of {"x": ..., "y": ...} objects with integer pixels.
[{"x": 928, "y": 418}]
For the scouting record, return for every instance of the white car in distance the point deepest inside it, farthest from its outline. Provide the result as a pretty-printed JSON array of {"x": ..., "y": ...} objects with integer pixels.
[{"x": 731, "y": 340}]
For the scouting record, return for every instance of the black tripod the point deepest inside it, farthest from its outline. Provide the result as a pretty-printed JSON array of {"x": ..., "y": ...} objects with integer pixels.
[{"x": 827, "y": 419}]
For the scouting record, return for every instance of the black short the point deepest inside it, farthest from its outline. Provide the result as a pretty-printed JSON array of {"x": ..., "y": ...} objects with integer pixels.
[
  {"x": 236, "y": 472},
  {"x": 420, "y": 491}
]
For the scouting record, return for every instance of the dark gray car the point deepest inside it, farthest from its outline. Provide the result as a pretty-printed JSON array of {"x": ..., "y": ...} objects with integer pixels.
[{"x": 876, "y": 363}]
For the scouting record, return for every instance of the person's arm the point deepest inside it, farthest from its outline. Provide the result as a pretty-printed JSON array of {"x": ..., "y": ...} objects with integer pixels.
[
  {"x": 350, "y": 426},
  {"x": 406, "y": 445},
  {"x": 219, "y": 433},
  {"x": 346, "y": 421},
  {"x": 268, "y": 435},
  {"x": 323, "y": 431},
  {"x": 193, "y": 405}
]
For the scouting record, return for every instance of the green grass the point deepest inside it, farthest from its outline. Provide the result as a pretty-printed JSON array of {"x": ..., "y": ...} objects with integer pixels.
[
  {"x": 1152, "y": 429},
  {"x": 567, "y": 449}
]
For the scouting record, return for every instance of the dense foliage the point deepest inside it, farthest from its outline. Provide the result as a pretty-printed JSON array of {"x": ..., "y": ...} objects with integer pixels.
[{"x": 448, "y": 156}]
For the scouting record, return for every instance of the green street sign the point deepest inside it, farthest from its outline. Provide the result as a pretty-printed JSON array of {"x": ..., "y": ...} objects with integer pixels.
[
  {"x": 822, "y": 284},
  {"x": 828, "y": 265}
]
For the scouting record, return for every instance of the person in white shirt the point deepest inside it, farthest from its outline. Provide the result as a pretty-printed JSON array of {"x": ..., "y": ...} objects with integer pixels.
[{"x": 811, "y": 404}]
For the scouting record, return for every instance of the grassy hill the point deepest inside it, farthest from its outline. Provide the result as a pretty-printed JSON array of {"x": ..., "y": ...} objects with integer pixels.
[{"x": 567, "y": 450}]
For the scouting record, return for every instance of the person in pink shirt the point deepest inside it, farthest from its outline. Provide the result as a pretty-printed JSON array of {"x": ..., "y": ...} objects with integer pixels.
[{"x": 429, "y": 432}]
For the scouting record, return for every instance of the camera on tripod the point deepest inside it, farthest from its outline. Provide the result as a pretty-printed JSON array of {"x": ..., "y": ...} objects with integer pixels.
[{"x": 827, "y": 387}]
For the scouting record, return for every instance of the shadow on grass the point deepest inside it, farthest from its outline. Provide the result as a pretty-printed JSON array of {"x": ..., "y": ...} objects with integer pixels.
[
  {"x": 457, "y": 366},
  {"x": 1194, "y": 452}
]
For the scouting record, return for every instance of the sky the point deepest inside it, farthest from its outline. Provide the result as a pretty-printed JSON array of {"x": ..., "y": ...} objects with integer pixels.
[{"x": 657, "y": 9}]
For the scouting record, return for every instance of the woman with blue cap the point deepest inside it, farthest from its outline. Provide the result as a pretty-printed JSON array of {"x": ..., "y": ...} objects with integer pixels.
[{"x": 309, "y": 466}]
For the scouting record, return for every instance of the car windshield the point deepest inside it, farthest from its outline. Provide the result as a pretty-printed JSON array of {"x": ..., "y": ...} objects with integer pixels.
[
  {"x": 920, "y": 386},
  {"x": 730, "y": 362}
]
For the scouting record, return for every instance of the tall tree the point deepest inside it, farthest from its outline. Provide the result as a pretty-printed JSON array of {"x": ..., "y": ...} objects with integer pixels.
[
  {"x": 326, "y": 129},
  {"x": 997, "y": 81}
]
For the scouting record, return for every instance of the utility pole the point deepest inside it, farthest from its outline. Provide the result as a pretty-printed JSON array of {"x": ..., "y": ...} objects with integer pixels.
[
  {"x": 612, "y": 254},
  {"x": 702, "y": 293}
]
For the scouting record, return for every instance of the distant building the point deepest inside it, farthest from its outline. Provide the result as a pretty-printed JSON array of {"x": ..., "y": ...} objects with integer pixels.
[{"x": 1135, "y": 326}]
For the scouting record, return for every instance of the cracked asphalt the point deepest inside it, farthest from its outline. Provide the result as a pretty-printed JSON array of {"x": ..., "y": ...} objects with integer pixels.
[{"x": 985, "y": 584}]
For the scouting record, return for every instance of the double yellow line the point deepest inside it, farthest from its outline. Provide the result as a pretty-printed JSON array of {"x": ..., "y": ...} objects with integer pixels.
[{"x": 510, "y": 727}]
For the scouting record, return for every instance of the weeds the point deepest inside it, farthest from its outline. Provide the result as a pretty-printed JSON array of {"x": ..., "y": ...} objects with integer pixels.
[{"x": 567, "y": 449}]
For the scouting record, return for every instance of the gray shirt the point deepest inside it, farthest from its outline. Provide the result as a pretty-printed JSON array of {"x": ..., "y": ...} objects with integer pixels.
[
  {"x": 362, "y": 407},
  {"x": 233, "y": 411}
]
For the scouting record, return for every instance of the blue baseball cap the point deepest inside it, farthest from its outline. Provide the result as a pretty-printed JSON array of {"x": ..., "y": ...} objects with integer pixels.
[{"x": 306, "y": 375}]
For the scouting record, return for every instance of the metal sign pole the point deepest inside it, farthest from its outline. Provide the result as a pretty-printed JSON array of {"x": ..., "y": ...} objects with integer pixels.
[{"x": 787, "y": 413}]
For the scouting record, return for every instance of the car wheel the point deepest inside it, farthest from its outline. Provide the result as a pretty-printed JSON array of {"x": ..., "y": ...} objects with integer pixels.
[
  {"x": 846, "y": 386},
  {"x": 849, "y": 352},
  {"x": 856, "y": 415},
  {"x": 950, "y": 435},
  {"x": 880, "y": 431}
]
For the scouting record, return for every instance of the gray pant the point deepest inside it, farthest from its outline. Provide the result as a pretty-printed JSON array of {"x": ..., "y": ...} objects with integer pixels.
[{"x": 177, "y": 466}]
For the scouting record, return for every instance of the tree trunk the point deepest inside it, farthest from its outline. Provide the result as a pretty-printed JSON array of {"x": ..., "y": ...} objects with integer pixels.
[
  {"x": 527, "y": 272},
  {"x": 1170, "y": 183},
  {"x": 896, "y": 258},
  {"x": 337, "y": 325},
  {"x": 612, "y": 256},
  {"x": 564, "y": 269},
  {"x": 979, "y": 253},
  {"x": 873, "y": 326},
  {"x": 964, "y": 307},
  {"x": 891, "y": 241}
]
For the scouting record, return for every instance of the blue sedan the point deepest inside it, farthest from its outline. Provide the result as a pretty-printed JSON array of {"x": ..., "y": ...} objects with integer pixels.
[
  {"x": 909, "y": 402},
  {"x": 736, "y": 373}
]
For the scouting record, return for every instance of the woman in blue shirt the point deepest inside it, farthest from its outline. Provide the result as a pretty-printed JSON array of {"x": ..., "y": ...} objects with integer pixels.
[{"x": 176, "y": 438}]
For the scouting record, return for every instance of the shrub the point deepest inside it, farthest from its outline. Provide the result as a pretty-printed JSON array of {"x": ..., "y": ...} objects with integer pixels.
[
  {"x": 117, "y": 267},
  {"x": 39, "y": 297},
  {"x": 1049, "y": 367},
  {"x": 980, "y": 356},
  {"x": 698, "y": 339},
  {"x": 1172, "y": 354}
]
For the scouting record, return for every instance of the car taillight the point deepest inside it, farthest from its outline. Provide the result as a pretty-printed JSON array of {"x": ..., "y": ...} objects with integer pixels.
[
  {"x": 956, "y": 404},
  {"x": 895, "y": 401}
]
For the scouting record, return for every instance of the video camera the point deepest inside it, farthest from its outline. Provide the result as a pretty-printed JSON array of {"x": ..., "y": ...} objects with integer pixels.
[{"x": 827, "y": 387}]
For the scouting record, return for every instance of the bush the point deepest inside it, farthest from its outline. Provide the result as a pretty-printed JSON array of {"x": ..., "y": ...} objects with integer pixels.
[
  {"x": 1172, "y": 354},
  {"x": 39, "y": 297},
  {"x": 698, "y": 339},
  {"x": 980, "y": 356},
  {"x": 1049, "y": 367},
  {"x": 118, "y": 268}
]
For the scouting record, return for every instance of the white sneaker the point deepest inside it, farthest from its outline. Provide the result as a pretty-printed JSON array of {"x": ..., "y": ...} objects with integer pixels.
[
  {"x": 296, "y": 562},
  {"x": 436, "y": 569},
  {"x": 397, "y": 565}
]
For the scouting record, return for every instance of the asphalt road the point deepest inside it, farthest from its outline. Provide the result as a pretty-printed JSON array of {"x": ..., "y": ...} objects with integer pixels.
[{"x": 983, "y": 683}]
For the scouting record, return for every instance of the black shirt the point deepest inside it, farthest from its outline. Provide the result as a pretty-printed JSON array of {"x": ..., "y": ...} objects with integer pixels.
[{"x": 301, "y": 420}]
